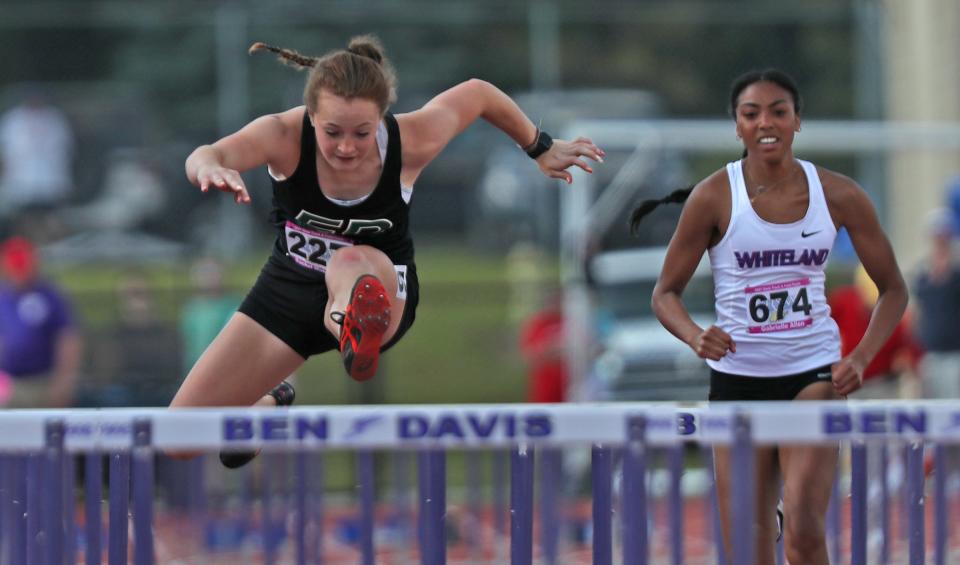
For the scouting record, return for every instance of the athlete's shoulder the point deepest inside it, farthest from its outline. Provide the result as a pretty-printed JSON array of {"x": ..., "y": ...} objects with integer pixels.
[
  {"x": 712, "y": 190},
  {"x": 271, "y": 129},
  {"x": 291, "y": 119},
  {"x": 846, "y": 199},
  {"x": 839, "y": 189}
]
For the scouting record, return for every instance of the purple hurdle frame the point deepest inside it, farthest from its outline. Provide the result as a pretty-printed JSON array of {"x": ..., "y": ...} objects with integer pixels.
[{"x": 36, "y": 517}]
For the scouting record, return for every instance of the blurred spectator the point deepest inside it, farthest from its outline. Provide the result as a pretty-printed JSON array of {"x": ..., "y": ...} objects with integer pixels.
[
  {"x": 953, "y": 199},
  {"x": 526, "y": 264},
  {"x": 40, "y": 347},
  {"x": 542, "y": 344},
  {"x": 139, "y": 359},
  {"x": 36, "y": 151},
  {"x": 851, "y": 306},
  {"x": 207, "y": 311},
  {"x": 132, "y": 194},
  {"x": 937, "y": 291}
]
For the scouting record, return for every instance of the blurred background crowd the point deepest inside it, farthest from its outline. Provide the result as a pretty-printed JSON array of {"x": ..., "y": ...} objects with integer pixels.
[{"x": 117, "y": 273}]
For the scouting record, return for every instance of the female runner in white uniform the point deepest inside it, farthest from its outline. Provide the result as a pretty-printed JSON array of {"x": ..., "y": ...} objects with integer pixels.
[{"x": 768, "y": 222}]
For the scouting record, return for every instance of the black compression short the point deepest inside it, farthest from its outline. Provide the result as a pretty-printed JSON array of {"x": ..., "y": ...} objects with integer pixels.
[
  {"x": 724, "y": 386},
  {"x": 291, "y": 308}
]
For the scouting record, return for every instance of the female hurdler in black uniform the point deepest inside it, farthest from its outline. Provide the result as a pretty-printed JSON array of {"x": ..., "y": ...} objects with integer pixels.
[{"x": 342, "y": 274}]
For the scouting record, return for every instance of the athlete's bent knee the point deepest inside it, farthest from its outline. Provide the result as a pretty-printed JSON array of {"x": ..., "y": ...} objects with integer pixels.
[{"x": 357, "y": 255}]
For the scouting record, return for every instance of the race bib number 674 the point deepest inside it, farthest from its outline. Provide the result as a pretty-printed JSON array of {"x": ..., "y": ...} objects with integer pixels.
[{"x": 778, "y": 307}]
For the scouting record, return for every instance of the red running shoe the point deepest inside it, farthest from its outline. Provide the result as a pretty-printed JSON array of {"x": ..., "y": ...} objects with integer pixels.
[{"x": 363, "y": 325}]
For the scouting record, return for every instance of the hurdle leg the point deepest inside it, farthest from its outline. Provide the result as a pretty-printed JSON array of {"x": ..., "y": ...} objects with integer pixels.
[
  {"x": 940, "y": 474},
  {"x": 365, "y": 474},
  {"x": 300, "y": 521},
  {"x": 742, "y": 491},
  {"x": 601, "y": 470},
  {"x": 119, "y": 508},
  {"x": 884, "y": 504},
  {"x": 551, "y": 481},
  {"x": 858, "y": 503},
  {"x": 676, "y": 503},
  {"x": 93, "y": 519},
  {"x": 915, "y": 478},
  {"x": 67, "y": 478},
  {"x": 636, "y": 549},
  {"x": 432, "y": 480},
  {"x": 53, "y": 493},
  {"x": 35, "y": 488},
  {"x": 143, "y": 492},
  {"x": 521, "y": 505},
  {"x": 18, "y": 504}
]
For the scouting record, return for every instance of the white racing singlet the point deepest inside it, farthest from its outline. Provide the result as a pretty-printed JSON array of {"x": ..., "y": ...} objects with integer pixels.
[{"x": 768, "y": 282}]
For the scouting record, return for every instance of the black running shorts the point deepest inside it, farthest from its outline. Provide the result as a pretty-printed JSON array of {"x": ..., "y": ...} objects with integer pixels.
[
  {"x": 724, "y": 386},
  {"x": 291, "y": 308}
]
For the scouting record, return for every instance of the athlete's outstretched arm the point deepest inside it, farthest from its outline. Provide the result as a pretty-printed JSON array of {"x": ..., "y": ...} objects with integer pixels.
[
  {"x": 698, "y": 223},
  {"x": 219, "y": 165},
  {"x": 428, "y": 130},
  {"x": 856, "y": 213}
]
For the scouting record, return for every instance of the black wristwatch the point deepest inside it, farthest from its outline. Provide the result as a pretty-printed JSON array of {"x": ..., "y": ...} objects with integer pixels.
[{"x": 540, "y": 145}]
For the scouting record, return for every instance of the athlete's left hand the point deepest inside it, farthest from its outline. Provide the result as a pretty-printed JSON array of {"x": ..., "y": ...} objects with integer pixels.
[
  {"x": 565, "y": 154},
  {"x": 848, "y": 374}
]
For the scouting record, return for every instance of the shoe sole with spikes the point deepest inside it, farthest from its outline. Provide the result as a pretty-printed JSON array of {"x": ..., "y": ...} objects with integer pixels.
[{"x": 365, "y": 321}]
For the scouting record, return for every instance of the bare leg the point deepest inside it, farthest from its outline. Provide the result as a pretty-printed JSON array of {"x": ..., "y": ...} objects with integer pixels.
[
  {"x": 765, "y": 505},
  {"x": 808, "y": 475},
  {"x": 238, "y": 369}
]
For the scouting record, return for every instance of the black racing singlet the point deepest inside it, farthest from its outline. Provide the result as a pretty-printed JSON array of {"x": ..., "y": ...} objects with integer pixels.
[{"x": 310, "y": 226}]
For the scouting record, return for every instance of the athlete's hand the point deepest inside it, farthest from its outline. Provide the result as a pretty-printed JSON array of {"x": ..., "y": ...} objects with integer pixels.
[
  {"x": 848, "y": 374},
  {"x": 223, "y": 179},
  {"x": 565, "y": 154},
  {"x": 713, "y": 343}
]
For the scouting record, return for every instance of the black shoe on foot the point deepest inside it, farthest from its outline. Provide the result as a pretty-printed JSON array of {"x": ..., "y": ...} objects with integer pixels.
[{"x": 284, "y": 394}]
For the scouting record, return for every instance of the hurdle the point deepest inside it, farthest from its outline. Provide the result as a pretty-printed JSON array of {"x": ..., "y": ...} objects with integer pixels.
[{"x": 38, "y": 447}]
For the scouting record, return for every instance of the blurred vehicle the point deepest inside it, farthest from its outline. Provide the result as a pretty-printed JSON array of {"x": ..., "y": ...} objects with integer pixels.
[
  {"x": 640, "y": 359},
  {"x": 514, "y": 199}
]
